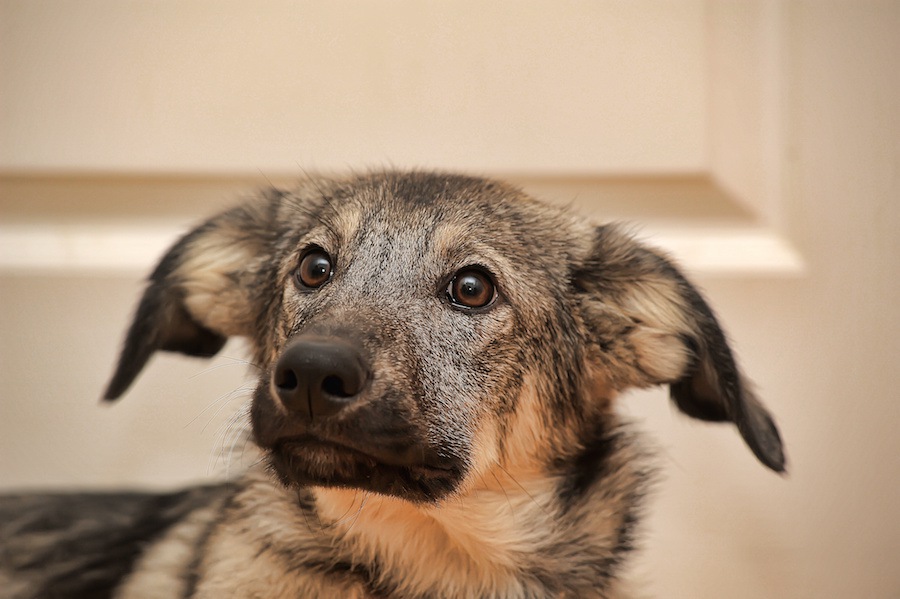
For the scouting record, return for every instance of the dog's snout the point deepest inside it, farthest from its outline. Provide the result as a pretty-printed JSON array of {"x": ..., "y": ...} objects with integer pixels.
[{"x": 319, "y": 376}]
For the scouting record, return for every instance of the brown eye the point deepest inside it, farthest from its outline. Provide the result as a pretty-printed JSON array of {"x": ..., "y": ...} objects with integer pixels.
[
  {"x": 315, "y": 269},
  {"x": 471, "y": 288}
]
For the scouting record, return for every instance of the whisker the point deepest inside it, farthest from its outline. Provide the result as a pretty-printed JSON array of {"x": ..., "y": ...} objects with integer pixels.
[
  {"x": 240, "y": 432},
  {"x": 247, "y": 439},
  {"x": 223, "y": 361},
  {"x": 349, "y": 509},
  {"x": 214, "y": 367},
  {"x": 258, "y": 461},
  {"x": 243, "y": 392},
  {"x": 355, "y": 517},
  {"x": 524, "y": 490},
  {"x": 229, "y": 432},
  {"x": 505, "y": 494},
  {"x": 220, "y": 401}
]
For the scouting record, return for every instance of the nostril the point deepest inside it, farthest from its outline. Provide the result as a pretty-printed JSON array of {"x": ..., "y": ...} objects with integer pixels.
[
  {"x": 318, "y": 376},
  {"x": 333, "y": 385},
  {"x": 286, "y": 379}
]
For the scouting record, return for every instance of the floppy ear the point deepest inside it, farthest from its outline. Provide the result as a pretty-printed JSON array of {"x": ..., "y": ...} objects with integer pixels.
[
  {"x": 653, "y": 327},
  {"x": 202, "y": 291}
]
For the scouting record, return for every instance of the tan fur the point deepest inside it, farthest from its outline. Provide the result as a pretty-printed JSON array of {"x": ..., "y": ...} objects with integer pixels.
[
  {"x": 160, "y": 573},
  {"x": 211, "y": 296},
  {"x": 208, "y": 274}
]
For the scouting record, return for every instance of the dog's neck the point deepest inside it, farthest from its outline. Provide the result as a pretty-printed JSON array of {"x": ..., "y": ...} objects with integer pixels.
[{"x": 486, "y": 537}]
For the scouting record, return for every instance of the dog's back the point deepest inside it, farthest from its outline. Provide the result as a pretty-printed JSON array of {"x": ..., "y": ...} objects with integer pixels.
[{"x": 83, "y": 545}]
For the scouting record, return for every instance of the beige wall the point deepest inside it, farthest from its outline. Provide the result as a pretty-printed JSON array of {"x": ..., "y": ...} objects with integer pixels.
[
  {"x": 509, "y": 85},
  {"x": 821, "y": 344}
]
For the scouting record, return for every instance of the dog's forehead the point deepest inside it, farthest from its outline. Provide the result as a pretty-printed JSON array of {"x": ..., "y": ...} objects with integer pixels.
[{"x": 446, "y": 215}]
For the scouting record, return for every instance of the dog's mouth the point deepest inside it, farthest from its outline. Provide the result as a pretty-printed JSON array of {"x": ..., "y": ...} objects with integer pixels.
[{"x": 414, "y": 473}]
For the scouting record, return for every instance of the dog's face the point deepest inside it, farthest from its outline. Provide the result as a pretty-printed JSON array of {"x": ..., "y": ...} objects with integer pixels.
[{"x": 414, "y": 331}]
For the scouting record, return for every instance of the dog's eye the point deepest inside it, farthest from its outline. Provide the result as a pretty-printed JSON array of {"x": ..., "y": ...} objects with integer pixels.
[
  {"x": 471, "y": 288},
  {"x": 315, "y": 269}
]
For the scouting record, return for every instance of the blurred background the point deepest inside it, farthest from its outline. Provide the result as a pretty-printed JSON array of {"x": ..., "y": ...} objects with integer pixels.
[{"x": 758, "y": 141}]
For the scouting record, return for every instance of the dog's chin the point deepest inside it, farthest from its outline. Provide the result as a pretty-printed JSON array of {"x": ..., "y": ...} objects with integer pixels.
[{"x": 309, "y": 461}]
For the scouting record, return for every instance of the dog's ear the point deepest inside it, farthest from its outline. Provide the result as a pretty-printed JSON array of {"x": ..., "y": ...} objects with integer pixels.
[
  {"x": 652, "y": 326},
  {"x": 202, "y": 291}
]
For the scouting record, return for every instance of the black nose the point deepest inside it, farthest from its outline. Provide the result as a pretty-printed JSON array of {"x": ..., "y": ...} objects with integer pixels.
[{"x": 318, "y": 376}]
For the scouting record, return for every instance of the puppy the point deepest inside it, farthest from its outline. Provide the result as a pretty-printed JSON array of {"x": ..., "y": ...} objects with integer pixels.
[{"x": 439, "y": 358}]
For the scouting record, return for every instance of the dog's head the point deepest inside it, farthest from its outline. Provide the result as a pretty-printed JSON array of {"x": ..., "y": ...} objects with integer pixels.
[{"x": 414, "y": 330}]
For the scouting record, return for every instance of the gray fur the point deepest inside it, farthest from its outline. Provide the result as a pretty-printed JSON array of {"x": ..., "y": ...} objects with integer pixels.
[{"x": 482, "y": 458}]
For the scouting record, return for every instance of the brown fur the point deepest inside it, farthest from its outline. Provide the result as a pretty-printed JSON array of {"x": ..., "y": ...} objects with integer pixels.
[{"x": 483, "y": 456}]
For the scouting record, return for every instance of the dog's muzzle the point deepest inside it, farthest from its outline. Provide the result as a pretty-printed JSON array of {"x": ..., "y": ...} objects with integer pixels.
[
  {"x": 337, "y": 427},
  {"x": 317, "y": 377}
]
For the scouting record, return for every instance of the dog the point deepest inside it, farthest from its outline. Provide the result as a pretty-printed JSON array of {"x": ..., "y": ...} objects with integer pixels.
[{"x": 439, "y": 358}]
